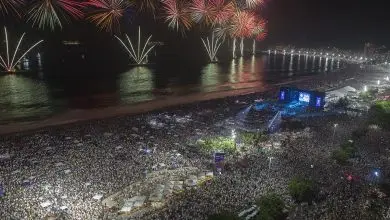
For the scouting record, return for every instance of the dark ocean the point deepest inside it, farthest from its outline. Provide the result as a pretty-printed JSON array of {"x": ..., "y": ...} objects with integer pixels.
[{"x": 31, "y": 95}]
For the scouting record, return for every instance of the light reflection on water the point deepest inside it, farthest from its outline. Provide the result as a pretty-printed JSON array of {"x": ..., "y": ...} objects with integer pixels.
[
  {"x": 22, "y": 97},
  {"x": 136, "y": 85}
]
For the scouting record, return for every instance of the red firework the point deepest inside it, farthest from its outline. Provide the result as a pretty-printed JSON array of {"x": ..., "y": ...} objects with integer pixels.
[
  {"x": 108, "y": 13},
  {"x": 262, "y": 36},
  {"x": 222, "y": 11},
  {"x": 201, "y": 11},
  {"x": 72, "y": 7},
  {"x": 177, "y": 14},
  {"x": 260, "y": 30},
  {"x": 243, "y": 24}
]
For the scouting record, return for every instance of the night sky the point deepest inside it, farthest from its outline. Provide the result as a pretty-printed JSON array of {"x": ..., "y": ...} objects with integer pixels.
[
  {"x": 344, "y": 24},
  {"x": 340, "y": 23}
]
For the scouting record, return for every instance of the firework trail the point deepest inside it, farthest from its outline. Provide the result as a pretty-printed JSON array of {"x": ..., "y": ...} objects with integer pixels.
[
  {"x": 177, "y": 14},
  {"x": 9, "y": 63},
  {"x": 107, "y": 13},
  {"x": 212, "y": 46},
  {"x": 242, "y": 26},
  {"x": 137, "y": 55},
  {"x": 259, "y": 33},
  {"x": 48, "y": 13},
  {"x": 10, "y": 6}
]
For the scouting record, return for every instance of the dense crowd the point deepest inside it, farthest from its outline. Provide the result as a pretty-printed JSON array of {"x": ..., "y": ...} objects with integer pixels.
[{"x": 68, "y": 170}]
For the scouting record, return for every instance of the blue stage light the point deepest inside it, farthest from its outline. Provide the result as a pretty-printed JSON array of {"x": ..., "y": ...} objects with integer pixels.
[{"x": 318, "y": 102}]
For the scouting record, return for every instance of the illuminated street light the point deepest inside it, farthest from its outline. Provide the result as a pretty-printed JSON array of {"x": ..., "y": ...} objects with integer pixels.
[
  {"x": 387, "y": 78},
  {"x": 365, "y": 89},
  {"x": 379, "y": 82}
]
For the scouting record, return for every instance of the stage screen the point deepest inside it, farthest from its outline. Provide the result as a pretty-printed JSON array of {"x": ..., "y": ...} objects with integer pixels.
[
  {"x": 282, "y": 93},
  {"x": 304, "y": 97},
  {"x": 318, "y": 102}
]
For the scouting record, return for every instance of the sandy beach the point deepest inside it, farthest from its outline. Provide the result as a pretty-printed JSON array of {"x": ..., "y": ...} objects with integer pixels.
[{"x": 74, "y": 116}]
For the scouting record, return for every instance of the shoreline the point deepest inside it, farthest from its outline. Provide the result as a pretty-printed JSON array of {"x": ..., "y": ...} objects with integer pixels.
[{"x": 78, "y": 116}]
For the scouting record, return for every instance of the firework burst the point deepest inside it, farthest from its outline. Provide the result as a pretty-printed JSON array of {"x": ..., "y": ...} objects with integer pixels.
[
  {"x": 262, "y": 36},
  {"x": 9, "y": 63},
  {"x": 222, "y": 11},
  {"x": 259, "y": 33},
  {"x": 10, "y": 6},
  {"x": 260, "y": 30},
  {"x": 259, "y": 27},
  {"x": 137, "y": 55},
  {"x": 243, "y": 24},
  {"x": 177, "y": 14},
  {"x": 108, "y": 13},
  {"x": 221, "y": 32},
  {"x": 48, "y": 13},
  {"x": 201, "y": 11}
]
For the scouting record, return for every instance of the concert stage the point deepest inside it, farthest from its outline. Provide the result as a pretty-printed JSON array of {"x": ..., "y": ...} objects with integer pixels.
[{"x": 292, "y": 102}]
